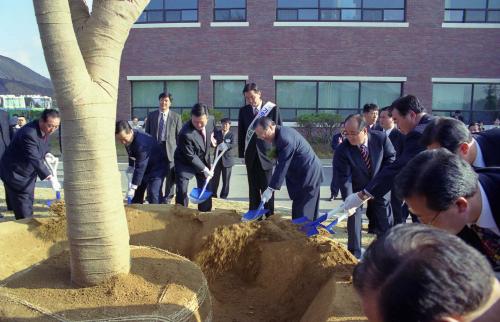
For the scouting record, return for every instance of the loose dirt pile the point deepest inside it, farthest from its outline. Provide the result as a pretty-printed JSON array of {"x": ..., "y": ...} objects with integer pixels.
[
  {"x": 160, "y": 285},
  {"x": 265, "y": 271}
]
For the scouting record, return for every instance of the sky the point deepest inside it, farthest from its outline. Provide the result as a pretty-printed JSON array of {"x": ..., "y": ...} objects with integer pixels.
[{"x": 19, "y": 37}]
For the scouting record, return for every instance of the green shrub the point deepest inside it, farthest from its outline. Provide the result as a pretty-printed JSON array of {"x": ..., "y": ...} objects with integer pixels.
[{"x": 319, "y": 127}]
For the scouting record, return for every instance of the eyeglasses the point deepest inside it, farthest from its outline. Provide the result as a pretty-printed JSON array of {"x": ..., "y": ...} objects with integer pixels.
[{"x": 435, "y": 218}]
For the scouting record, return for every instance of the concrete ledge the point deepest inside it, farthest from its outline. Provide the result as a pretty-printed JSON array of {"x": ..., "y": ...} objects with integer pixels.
[
  {"x": 341, "y": 24},
  {"x": 466, "y": 25},
  {"x": 230, "y": 24},
  {"x": 167, "y": 25}
]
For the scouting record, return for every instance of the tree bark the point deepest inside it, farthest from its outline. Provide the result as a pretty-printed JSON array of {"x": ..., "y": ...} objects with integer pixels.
[{"x": 83, "y": 54}]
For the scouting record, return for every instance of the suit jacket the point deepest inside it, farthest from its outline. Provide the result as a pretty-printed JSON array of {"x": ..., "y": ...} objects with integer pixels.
[
  {"x": 351, "y": 171},
  {"x": 227, "y": 159},
  {"x": 489, "y": 143},
  {"x": 173, "y": 127},
  {"x": 397, "y": 139},
  {"x": 24, "y": 159},
  {"x": 490, "y": 181},
  {"x": 335, "y": 141},
  {"x": 192, "y": 154},
  {"x": 376, "y": 127},
  {"x": 4, "y": 132},
  {"x": 146, "y": 154},
  {"x": 297, "y": 162},
  {"x": 256, "y": 148},
  {"x": 382, "y": 183}
]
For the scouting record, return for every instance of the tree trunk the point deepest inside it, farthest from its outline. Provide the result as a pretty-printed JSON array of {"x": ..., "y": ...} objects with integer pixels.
[{"x": 83, "y": 54}]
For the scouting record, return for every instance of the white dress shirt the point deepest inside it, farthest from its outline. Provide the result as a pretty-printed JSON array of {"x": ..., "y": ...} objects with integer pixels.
[
  {"x": 486, "y": 219},
  {"x": 479, "y": 161}
]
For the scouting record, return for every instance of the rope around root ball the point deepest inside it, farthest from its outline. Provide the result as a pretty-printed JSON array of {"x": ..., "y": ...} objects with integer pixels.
[{"x": 182, "y": 315}]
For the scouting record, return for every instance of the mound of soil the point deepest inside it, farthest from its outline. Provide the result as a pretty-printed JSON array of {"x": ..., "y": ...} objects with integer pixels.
[
  {"x": 264, "y": 271},
  {"x": 160, "y": 284}
]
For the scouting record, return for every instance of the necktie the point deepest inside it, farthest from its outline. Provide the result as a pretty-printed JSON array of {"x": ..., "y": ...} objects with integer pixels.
[
  {"x": 255, "y": 111},
  {"x": 161, "y": 128},
  {"x": 490, "y": 242},
  {"x": 202, "y": 133},
  {"x": 366, "y": 158}
]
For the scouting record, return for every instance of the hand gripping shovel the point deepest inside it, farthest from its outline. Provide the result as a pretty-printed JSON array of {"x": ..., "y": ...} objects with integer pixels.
[
  {"x": 310, "y": 227},
  {"x": 129, "y": 179},
  {"x": 198, "y": 195},
  {"x": 52, "y": 163},
  {"x": 253, "y": 215}
]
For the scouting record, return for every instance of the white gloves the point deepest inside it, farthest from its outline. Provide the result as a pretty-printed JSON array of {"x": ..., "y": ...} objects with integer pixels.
[
  {"x": 267, "y": 195},
  {"x": 55, "y": 183},
  {"x": 352, "y": 202},
  {"x": 222, "y": 147},
  {"x": 50, "y": 158},
  {"x": 208, "y": 173},
  {"x": 131, "y": 191},
  {"x": 130, "y": 170}
]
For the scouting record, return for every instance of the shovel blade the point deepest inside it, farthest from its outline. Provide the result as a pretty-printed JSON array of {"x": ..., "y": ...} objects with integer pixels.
[
  {"x": 253, "y": 215},
  {"x": 301, "y": 220},
  {"x": 196, "y": 197}
]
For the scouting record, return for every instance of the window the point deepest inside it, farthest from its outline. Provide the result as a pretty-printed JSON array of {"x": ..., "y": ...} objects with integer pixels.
[
  {"x": 230, "y": 10},
  {"x": 170, "y": 11},
  {"x": 340, "y": 10},
  {"x": 298, "y": 97},
  {"x": 472, "y": 11},
  {"x": 145, "y": 95},
  {"x": 475, "y": 101},
  {"x": 228, "y": 97}
]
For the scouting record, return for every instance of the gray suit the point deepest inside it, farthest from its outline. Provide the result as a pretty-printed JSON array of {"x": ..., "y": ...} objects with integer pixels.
[{"x": 168, "y": 144}]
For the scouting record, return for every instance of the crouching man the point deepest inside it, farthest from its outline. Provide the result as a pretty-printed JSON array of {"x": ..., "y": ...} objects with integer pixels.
[
  {"x": 148, "y": 168},
  {"x": 24, "y": 160},
  {"x": 297, "y": 163}
]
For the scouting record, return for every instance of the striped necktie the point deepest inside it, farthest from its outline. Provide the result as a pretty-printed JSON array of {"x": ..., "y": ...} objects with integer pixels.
[
  {"x": 366, "y": 158},
  {"x": 490, "y": 242}
]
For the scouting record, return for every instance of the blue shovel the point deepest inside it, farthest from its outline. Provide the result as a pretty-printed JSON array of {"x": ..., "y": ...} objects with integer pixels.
[
  {"x": 198, "y": 195},
  {"x": 310, "y": 227},
  {"x": 253, "y": 215}
]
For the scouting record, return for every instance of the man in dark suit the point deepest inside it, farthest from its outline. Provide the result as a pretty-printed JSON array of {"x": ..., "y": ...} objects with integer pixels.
[
  {"x": 24, "y": 160},
  {"x": 361, "y": 157},
  {"x": 444, "y": 191},
  {"x": 149, "y": 168},
  {"x": 411, "y": 119},
  {"x": 4, "y": 143},
  {"x": 192, "y": 156},
  {"x": 224, "y": 136},
  {"x": 258, "y": 162},
  {"x": 336, "y": 141},
  {"x": 480, "y": 149},
  {"x": 370, "y": 114},
  {"x": 164, "y": 125},
  {"x": 297, "y": 163},
  {"x": 399, "y": 210}
]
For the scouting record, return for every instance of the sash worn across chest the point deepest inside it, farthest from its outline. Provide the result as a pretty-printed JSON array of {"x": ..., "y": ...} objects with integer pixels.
[{"x": 264, "y": 111}]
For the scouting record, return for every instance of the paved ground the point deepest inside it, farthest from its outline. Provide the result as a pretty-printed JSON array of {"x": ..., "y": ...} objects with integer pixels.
[{"x": 239, "y": 187}]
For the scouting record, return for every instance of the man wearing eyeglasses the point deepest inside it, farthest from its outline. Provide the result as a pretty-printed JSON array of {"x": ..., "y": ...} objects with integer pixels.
[
  {"x": 24, "y": 160},
  {"x": 357, "y": 160},
  {"x": 444, "y": 191}
]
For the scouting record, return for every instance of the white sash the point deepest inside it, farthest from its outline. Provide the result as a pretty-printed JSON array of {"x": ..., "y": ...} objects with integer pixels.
[{"x": 264, "y": 112}]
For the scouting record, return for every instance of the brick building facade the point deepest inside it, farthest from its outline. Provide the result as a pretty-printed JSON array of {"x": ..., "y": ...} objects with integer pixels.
[{"x": 315, "y": 55}]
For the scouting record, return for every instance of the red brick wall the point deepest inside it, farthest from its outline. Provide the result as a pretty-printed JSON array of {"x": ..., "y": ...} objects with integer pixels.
[{"x": 419, "y": 52}]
